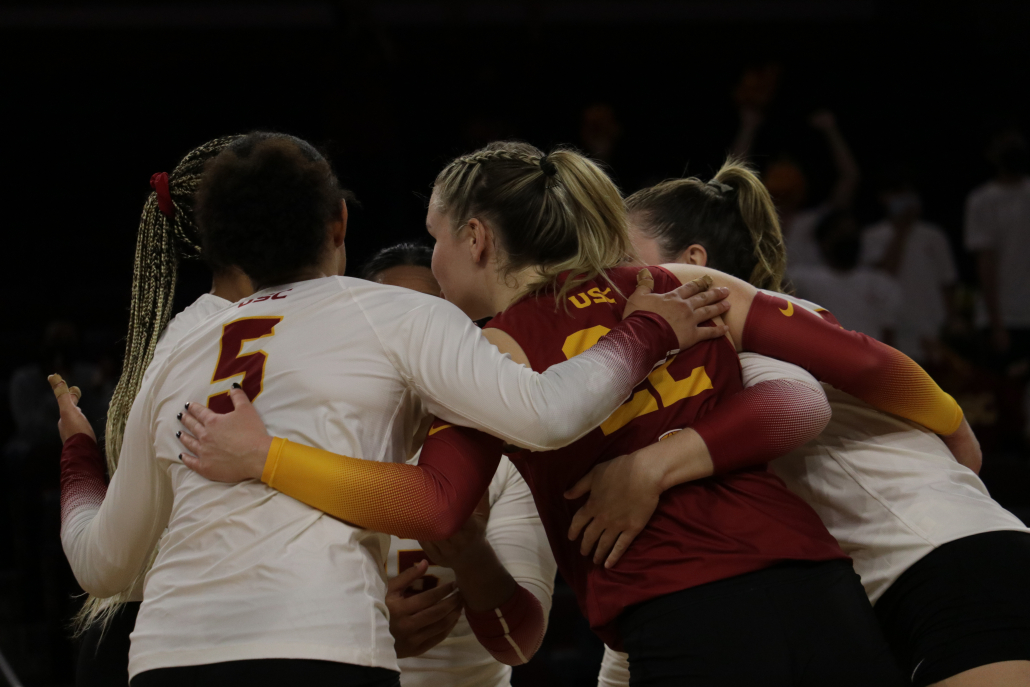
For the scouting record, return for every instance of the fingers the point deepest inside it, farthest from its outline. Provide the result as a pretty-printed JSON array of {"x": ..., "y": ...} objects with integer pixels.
[
  {"x": 65, "y": 397},
  {"x": 703, "y": 283},
  {"x": 191, "y": 423},
  {"x": 404, "y": 580},
  {"x": 621, "y": 544},
  {"x": 604, "y": 545},
  {"x": 190, "y": 461},
  {"x": 645, "y": 283},
  {"x": 707, "y": 312},
  {"x": 706, "y": 333},
  {"x": 436, "y": 632},
  {"x": 238, "y": 397},
  {"x": 710, "y": 296},
  {"x": 190, "y": 442},
  {"x": 580, "y": 520},
  {"x": 581, "y": 487},
  {"x": 438, "y": 611},
  {"x": 201, "y": 412},
  {"x": 591, "y": 534},
  {"x": 423, "y": 600}
]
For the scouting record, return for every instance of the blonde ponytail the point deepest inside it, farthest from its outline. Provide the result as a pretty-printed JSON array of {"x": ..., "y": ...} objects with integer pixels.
[
  {"x": 732, "y": 217},
  {"x": 759, "y": 215},
  {"x": 557, "y": 212}
]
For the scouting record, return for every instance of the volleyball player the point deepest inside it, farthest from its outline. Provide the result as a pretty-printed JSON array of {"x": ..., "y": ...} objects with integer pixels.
[
  {"x": 249, "y": 585},
  {"x": 501, "y": 547},
  {"x": 943, "y": 563},
  {"x": 167, "y": 233},
  {"x": 500, "y": 217}
]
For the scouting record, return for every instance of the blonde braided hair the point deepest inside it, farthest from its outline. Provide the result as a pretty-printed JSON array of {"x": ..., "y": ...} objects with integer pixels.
[
  {"x": 558, "y": 212},
  {"x": 160, "y": 241},
  {"x": 159, "y": 244}
]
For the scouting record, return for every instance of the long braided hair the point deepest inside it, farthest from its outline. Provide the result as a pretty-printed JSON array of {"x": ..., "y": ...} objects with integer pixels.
[
  {"x": 558, "y": 212},
  {"x": 167, "y": 231},
  {"x": 163, "y": 239}
]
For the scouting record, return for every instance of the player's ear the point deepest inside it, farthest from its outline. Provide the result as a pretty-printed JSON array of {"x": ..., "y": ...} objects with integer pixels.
[
  {"x": 695, "y": 254},
  {"x": 478, "y": 239}
]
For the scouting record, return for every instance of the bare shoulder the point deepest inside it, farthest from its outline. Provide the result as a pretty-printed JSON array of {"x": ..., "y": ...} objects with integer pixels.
[
  {"x": 506, "y": 344},
  {"x": 686, "y": 273}
]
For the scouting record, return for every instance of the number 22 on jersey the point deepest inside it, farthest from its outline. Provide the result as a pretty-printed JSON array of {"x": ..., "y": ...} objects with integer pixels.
[
  {"x": 232, "y": 364},
  {"x": 643, "y": 402}
]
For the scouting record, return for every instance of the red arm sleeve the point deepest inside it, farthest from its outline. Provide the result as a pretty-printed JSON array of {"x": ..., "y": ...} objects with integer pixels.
[
  {"x": 762, "y": 423},
  {"x": 513, "y": 631},
  {"x": 428, "y": 501},
  {"x": 852, "y": 362},
  {"x": 83, "y": 476}
]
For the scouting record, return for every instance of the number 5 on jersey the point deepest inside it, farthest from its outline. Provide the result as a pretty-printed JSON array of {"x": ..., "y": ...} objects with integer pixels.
[{"x": 250, "y": 365}]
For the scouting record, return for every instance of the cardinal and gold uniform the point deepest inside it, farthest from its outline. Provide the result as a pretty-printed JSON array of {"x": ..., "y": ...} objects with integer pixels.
[
  {"x": 702, "y": 531},
  {"x": 245, "y": 572}
]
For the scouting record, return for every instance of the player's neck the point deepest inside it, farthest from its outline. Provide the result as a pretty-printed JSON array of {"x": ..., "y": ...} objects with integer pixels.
[
  {"x": 231, "y": 284},
  {"x": 510, "y": 287}
]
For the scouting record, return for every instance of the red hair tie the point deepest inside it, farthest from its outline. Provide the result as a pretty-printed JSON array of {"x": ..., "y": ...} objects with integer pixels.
[{"x": 159, "y": 182}]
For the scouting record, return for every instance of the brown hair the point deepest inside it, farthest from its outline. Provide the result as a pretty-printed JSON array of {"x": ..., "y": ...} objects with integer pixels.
[
  {"x": 558, "y": 212},
  {"x": 732, "y": 216}
]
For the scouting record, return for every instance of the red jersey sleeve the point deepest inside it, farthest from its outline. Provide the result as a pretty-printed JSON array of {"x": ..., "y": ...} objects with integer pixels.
[
  {"x": 428, "y": 501},
  {"x": 850, "y": 361}
]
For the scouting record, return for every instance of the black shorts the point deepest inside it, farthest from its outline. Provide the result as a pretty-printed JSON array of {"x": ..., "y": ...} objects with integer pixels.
[
  {"x": 795, "y": 624},
  {"x": 270, "y": 672},
  {"x": 104, "y": 653},
  {"x": 964, "y": 605}
]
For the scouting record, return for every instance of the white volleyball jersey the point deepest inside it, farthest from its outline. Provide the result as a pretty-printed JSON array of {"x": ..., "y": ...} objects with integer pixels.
[
  {"x": 889, "y": 490},
  {"x": 195, "y": 313},
  {"x": 517, "y": 536},
  {"x": 245, "y": 572}
]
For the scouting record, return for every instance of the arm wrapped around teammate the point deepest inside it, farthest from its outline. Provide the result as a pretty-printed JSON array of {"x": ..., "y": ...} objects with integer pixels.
[
  {"x": 513, "y": 631},
  {"x": 429, "y": 501},
  {"x": 852, "y": 362},
  {"x": 763, "y": 422}
]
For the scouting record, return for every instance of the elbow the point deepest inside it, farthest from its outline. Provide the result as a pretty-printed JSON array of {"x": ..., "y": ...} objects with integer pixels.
[
  {"x": 812, "y": 412},
  {"x": 553, "y": 432}
]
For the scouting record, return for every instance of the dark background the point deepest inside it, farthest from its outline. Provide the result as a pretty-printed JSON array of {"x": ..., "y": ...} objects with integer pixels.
[{"x": 95, "y": 98}]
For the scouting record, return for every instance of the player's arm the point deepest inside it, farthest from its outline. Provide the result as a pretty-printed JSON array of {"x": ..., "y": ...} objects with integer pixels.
[
  {"x": 428, "y": 501},
  {"x": 464, "y": 378},
  {"x": 768, "y": 419},
  {"x": 109, "y": 532},
  {"x": 852, "y": 362},
  {"x": 516, "y": 535}
]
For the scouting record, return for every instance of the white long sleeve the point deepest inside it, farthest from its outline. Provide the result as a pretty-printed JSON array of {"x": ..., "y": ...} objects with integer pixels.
[
  {"x": 107, "y": 547},
  {"x": 463, "y": 378}
]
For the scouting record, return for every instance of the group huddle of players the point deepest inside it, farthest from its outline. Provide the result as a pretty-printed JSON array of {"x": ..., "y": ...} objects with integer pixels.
[{"x": 321, "y": 479}]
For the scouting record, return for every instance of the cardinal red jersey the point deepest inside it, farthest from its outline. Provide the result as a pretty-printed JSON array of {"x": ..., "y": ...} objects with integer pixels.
[{"x": 702, "y": 531}]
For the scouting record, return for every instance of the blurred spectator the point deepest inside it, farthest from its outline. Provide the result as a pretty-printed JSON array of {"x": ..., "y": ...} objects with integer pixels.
[
  {"x": 32, "y": 401},
  {"x": 861, "y": 299},
  {"x": 784, "y": 178},
  {"x": 917, "y": 254},
  {"x": 998, "y": 231}
]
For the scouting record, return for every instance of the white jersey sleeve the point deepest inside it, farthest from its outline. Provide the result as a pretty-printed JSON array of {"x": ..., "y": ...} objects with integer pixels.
[
  {"x": 108, "y": 547},
  {"x": 614, "y": 669},
  {"x": 517, "y": 535},
  {"x": 462, "y": 378}
]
